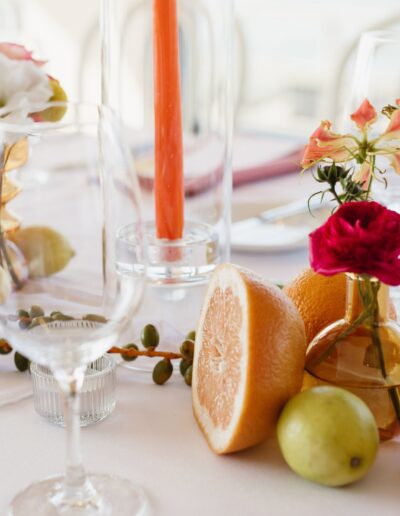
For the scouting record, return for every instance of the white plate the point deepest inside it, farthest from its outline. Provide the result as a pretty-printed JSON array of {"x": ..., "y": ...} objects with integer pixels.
[
  {"x": 271, "y": 238},
  {"x": 289, "y": 233}
]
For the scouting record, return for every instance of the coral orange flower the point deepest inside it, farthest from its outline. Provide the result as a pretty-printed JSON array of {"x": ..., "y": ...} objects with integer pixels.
[
  {"x": 365, "y": 115},
  {"x": 363, "y": 174},
  {"x": 393, "y": 129},
  {"x": 324, "y": 143},
  {"x": 356, "y": 154}
]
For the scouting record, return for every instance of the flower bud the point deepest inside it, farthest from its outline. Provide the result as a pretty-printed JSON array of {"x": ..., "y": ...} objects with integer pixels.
[{"x": 331, "y": 173}]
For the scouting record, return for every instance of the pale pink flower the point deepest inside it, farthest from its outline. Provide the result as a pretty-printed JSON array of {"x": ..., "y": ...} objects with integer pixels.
[
  {"x": 22, "y": 85},
  {"x": 19, "y": 53}
]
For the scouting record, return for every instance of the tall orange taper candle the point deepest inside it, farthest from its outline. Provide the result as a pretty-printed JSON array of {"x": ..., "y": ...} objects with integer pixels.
[{"x": 168, "y": 183}]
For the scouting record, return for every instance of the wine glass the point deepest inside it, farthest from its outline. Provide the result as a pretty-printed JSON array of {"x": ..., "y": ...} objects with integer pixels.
[
  {"x": 376, "y": 77},
  {"x": 375, "y": 74},
  {"x": 67, "y": 233}
]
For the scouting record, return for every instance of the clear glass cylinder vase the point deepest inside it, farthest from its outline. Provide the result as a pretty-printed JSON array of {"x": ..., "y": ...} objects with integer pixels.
[
  {"x": 361, "y": 352},
  {"x": 166, "y": 69}
]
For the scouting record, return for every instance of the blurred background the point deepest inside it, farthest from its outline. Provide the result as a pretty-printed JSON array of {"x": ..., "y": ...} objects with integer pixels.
[{"x": 293, "y": 58}]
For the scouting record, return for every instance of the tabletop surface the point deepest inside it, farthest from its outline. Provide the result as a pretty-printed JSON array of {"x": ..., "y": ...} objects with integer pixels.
[{"x": 152, "y": 438}]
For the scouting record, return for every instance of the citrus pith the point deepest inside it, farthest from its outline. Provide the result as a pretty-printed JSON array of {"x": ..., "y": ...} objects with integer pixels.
[{"x": 249, "y": 359}]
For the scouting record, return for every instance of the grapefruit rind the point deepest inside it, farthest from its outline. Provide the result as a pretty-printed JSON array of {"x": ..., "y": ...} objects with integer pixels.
[
  {"x": 228, "y": 278},
  {"x": 271, "y": 364}
]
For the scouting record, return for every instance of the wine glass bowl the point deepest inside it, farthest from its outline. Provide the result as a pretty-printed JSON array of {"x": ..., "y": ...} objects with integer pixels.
[
  {"x": 67, "y": 234},
  {"x": 375, "y": 74},
  {"x": 376, "y": 77}
]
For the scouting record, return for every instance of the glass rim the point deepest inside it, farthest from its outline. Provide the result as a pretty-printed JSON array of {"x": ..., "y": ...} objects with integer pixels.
[
  {"x": 29, "y": 122},
  {"x": 382, "y": 35},
  {"x": 37, "y": 369}
]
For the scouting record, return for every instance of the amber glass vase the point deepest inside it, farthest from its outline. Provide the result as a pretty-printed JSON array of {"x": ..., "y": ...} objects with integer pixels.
[{"x": 361, "y": 352}]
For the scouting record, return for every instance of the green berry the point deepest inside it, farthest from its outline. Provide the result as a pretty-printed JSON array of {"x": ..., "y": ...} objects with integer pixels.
[
  {"x": 24, "y": 323},
  {"x": 150, "y": 337},
  {"x": 61, "y": 317},
  {"x": 128, "y": 358},
  {"x": 36, "y": 321},
  {"x": 183, "y": 365},
  {"x": 5, "y": 347},
  {"x": 36, "y": 311},
  {"x": 191, "y": 336},
  {"x": 21, "y": 362},
  {"x": 23, "y": 313},
  {"x": 162, "y": 371},
  {"x": 188, "y": 375},
  {"x": 187, "y": 350},
  {"x": 94, "y": 318}
]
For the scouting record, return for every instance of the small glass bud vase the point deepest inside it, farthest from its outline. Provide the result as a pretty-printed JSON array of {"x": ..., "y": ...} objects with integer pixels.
[{"x": 361, "y": 352}]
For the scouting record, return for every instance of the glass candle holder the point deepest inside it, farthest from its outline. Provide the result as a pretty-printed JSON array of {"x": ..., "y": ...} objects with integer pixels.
[
  {"x": 166, "y": 70},
  {"x": 97, "y": 395}
]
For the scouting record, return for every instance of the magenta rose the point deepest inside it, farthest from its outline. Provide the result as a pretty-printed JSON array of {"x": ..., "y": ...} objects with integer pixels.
[{"x": 360, "y": 237}]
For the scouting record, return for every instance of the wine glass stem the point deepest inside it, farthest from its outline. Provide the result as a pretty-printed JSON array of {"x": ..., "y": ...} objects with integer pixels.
[{"x": 77, "y": 489}]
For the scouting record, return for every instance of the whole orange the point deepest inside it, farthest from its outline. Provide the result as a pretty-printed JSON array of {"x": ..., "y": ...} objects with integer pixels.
[{"x": 321, "y": 300}]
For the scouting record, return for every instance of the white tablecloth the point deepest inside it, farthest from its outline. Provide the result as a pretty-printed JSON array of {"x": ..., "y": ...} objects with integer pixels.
[{"x": 152, "y": 438}]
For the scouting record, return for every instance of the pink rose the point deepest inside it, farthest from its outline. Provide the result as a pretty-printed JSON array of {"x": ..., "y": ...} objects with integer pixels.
[
  {"x": 19, "y": 53},
  {"x": 361, "y": 237}
]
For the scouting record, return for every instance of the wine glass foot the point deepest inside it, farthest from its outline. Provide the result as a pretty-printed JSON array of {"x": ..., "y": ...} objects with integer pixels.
[{"x": 114, "y": 497}]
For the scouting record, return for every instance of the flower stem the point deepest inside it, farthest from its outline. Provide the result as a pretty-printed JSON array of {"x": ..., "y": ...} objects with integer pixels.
[
  {"x": 335, "y": 195},
  {"x": 131, "y": 352},
  {"x": 343, "y": 335},
  {"x": 3, "y": 248},
  {"x": 4, "y": 253},
  {"x": 393, "y": 393}
]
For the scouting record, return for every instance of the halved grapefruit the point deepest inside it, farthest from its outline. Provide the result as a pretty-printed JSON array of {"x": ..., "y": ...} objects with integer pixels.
[{"x": 249, "y": 359}]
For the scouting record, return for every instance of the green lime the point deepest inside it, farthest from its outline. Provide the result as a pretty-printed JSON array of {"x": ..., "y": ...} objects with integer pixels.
[
  {"x": 56, "y": 113},
  {"x": 45, "y": 250},
  {"x": 328, "y": 435}
]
